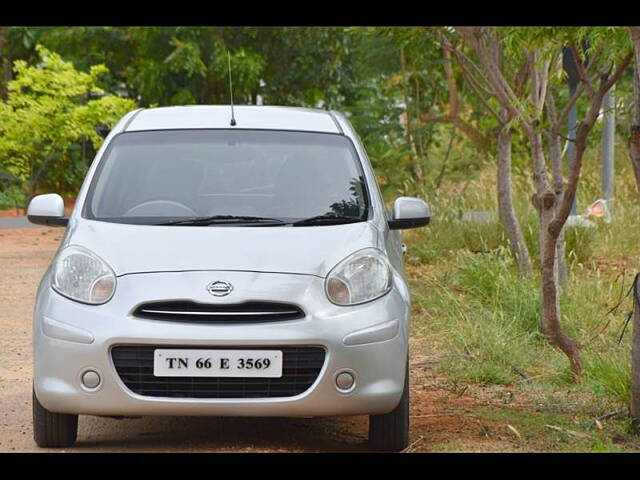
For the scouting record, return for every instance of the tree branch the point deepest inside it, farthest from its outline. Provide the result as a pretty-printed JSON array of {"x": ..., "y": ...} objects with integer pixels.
[
  {"x": 567, "y": 108},
  {"x": 584, "y": 77},
  {"x": 475, "y": 86},
  {"x": 454, "y": 114},
  {"x": 474, "y": 37},
  {"x": 555, "y": 227}
]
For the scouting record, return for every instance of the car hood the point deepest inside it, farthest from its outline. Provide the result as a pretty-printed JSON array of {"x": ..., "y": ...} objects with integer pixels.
[{"x": 312, "y": 250}]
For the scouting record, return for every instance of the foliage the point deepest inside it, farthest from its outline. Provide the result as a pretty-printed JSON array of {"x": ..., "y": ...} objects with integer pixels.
[{"x": 61, "y": 107}]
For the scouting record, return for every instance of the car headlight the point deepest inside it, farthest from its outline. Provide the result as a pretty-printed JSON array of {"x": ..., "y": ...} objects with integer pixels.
[
  {"x": 362, "y": 276},
  {"x": 81, "y": 275}
]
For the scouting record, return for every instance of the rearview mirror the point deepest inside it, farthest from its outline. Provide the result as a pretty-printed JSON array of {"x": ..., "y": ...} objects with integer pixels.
[
  {"x": 47, "y": 210},
  {"x": 409, "y": 212}
]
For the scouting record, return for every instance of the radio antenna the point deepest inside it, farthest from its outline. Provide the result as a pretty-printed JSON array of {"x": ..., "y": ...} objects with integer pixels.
[{"x": 233, "y": 119}]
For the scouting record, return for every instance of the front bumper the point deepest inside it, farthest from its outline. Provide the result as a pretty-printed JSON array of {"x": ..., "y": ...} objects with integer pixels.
[{"x": 368, "y": 340}]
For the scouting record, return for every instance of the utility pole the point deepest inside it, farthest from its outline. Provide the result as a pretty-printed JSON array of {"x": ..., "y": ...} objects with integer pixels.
[{"x": 608, "y": 137}]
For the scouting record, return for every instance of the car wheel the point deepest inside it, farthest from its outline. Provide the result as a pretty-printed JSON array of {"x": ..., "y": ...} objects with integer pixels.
[
  {"x": 53, "y": 430},
  {"x": 390, "y": 432}
]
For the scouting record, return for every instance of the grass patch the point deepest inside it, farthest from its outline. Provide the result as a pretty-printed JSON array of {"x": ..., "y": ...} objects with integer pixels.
[
  {"x": 474, "y": 311},
  {"x": 609, "y": 376}
]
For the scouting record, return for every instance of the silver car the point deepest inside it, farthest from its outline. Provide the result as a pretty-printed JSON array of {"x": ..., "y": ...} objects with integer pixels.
[{"x": 221, "y": 268}]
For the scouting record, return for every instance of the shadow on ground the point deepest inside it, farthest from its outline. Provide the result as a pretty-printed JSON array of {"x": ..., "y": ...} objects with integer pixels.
[{"x": 222, "y": 434}]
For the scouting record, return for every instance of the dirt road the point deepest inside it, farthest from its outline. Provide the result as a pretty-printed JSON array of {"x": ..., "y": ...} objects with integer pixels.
[{"x": 441, "y": 416}]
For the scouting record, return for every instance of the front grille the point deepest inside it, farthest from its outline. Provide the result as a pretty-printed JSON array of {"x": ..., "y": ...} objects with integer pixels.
[
  {"x": 248, "y": 312},
  {"x": 300, "y": 368}
]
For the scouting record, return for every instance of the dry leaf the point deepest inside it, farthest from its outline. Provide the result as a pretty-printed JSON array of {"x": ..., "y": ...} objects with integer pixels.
[
  {"x": 578, "y": 434},
  {"x": 573, "y": 433},
  {"x": 515, "y": 432}
]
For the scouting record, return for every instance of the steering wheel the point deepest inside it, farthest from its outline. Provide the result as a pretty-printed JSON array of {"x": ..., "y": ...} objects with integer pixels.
[{"x": 164, "y": 208}]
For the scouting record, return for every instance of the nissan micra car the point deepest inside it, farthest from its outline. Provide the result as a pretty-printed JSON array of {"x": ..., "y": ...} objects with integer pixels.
[{"x": 225, "y": 268}]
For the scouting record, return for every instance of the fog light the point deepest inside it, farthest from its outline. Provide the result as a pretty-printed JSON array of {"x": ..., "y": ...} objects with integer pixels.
[
  {"x": 345, "y": 381},
  {"x": 90, "y": 379}
]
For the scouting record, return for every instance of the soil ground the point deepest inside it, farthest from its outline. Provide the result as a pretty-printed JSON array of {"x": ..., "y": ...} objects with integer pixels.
[{"x": 444, "y": 416}]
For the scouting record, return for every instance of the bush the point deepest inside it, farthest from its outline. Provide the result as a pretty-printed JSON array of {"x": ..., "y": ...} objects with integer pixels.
[
  {"x": 62, "y": 107},
  {"x": 12, "y": 197}
]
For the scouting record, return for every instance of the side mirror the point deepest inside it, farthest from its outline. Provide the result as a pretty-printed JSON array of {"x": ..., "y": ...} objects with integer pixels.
[
  {"x": 409, "y": 212},
  {"x": 47, "y": 210}
]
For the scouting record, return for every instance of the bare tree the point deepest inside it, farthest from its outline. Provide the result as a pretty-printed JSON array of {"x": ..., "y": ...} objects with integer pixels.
[{"x": 551, "y": 200}]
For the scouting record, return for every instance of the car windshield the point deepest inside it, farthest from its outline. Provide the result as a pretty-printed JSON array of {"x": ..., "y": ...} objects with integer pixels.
[{"x": 182, "y": 176}]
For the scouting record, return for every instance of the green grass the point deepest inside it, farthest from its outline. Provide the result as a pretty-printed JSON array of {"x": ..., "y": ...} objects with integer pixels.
[
  {"x": 473, "y": 308},
  {"x": 545, "y": 431},
  {"x": 609, "y": 376}
]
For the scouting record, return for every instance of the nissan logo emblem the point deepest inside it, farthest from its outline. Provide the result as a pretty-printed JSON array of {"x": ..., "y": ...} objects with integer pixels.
[{"x": 219, "y": 288}]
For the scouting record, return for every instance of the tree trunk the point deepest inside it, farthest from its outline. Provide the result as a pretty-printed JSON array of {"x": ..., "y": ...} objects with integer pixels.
[
  {"x": 417, "y": 137},
  {"x": 31, "y": 184},
  {"x": 634, "y": 404},
  {"x": 415, "y": 168},
  {"x": 555, "y": 154},
  {"x": 634, "y": 142},
  {"x": 505, "y": 203},
  {"x": 547, "y": 204},
  {"x": 5, "y": 66},
  {"x": 542, "y": 186},
  {"x": 549, "y": 291},
  {"x": 563, "y": 270}
]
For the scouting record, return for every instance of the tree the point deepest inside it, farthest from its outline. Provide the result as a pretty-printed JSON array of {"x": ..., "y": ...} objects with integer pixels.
[
  {"x": 502, "y": 132},
  {"x": 634, "y": 151},
  {"x": 163, "y": 65},
  {"x": 4, "y": 65},
  {"x": 188, "y": 65},
  {"x": 397, "y": 79},
  {"x": 61, "y": 106},
  {"x": 634, "y": 142},
  {"x": 541, "y": 48}
]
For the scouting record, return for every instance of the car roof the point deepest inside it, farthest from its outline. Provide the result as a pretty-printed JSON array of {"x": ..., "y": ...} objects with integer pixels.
[{"x": 219, "y": 116}]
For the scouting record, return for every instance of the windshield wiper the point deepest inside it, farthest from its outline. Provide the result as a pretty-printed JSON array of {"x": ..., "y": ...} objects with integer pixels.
[
  {"x": 225, "y": 219},
  {"x": 326, "y": 219}
]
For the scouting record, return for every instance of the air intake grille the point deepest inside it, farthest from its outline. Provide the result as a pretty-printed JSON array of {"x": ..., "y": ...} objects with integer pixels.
[
  {"x": 248, "y": 312},
  {"x": 301, "y": 366}
]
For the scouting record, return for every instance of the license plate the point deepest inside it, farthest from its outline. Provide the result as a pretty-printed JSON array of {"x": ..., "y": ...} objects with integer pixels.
[{"x": 217, "y": 363}]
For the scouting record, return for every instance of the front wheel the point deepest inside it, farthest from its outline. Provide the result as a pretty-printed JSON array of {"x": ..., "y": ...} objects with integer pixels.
[
  {"x": 390, "y": 432},
  {"x": 53, "y": 430}
]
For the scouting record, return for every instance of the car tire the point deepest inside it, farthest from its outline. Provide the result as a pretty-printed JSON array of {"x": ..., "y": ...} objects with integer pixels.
[
  {"x": 53, "y": 430},
  {"x": 390, "y": 432}
]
